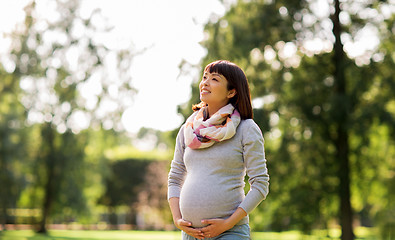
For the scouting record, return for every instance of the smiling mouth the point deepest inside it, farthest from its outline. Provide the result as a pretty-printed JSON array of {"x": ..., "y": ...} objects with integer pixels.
[{"x": 204, "y": 91}]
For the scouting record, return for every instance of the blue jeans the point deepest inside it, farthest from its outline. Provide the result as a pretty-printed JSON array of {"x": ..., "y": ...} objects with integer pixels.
[{"x": 238, "y": 232}]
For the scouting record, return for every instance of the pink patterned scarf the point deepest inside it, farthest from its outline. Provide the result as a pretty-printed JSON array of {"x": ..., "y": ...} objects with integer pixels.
[{"x": 200, "y": 133}]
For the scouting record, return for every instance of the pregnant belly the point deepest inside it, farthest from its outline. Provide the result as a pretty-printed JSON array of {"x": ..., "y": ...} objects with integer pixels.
[{"x": 199, "y": 200}]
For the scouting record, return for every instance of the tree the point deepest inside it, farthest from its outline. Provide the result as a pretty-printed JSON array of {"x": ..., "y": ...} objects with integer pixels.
[
  {"x": 122, "y": 184},
  {"x": 140, "y": 184},
  {"x": 12, "y": 145},
  {"x": 62, "y": 69},
  {"x": 62, "y": 175},
  {"x": 312, "y": 98}
]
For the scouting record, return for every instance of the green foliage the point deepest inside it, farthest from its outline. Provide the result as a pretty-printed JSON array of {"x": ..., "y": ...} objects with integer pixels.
[
  {"x": 123, "y": 182},
  {"x": 141, "y": 185},
  {"x": 62, "y": 156},
  {"x": 125, "y": 151},
  {"x": 12, "y": 145}
]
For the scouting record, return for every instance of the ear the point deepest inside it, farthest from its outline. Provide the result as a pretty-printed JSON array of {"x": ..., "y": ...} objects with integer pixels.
[{"x": 232, "y": 93}]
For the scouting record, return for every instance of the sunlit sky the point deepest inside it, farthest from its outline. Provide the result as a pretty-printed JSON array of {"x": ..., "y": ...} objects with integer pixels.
[{"x": 169, "y": 30}]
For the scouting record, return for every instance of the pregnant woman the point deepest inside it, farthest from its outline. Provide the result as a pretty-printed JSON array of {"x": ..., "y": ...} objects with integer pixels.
[{"x": 217, "y": 146}]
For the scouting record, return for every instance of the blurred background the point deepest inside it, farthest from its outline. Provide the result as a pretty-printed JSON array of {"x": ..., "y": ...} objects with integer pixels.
[{"x": 92, "y": 94}]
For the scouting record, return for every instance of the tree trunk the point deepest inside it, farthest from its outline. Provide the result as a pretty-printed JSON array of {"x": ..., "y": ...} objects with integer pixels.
[
  {"x": 346, "y": 215},
  {"x": 341, "y": 142},
  {"x": 49, "y": 186}
]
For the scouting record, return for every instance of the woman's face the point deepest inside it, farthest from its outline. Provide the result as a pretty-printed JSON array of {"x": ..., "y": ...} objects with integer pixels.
[{"x": 214, "y": 89}]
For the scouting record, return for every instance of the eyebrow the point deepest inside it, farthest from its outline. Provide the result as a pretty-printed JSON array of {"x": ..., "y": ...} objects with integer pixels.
[{"x": 217, "y": 74}]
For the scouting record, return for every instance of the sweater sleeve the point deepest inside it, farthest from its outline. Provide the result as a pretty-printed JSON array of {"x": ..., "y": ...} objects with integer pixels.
[
  {"x": 177, "y": 170},
  {"x": 255, "y": 162}
]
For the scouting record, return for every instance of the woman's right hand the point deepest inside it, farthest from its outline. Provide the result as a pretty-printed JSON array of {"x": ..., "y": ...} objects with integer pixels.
[
  {"x": 180, "y": 223},
  {"x": 188, "y": 229}
]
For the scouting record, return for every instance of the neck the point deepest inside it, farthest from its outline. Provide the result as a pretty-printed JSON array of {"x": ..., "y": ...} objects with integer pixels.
[{"x": 213, "y": 109}]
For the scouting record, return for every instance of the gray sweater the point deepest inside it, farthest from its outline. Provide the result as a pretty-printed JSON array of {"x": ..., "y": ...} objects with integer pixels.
[{"x": 210, "y": 181}]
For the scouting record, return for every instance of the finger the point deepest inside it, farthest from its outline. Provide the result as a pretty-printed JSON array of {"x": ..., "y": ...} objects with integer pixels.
[
  {"x": 197, "y": 233},
  {"x": 205, "y": 221},
  {"x": 208, "y": 235},
  {"x": 200, "y": 235},
  {"x": 185, "y": 223},
  {"x": 200, "y": 232},
  {"x": 208, "y": 221},
  {"x": 205, "y": 229}
]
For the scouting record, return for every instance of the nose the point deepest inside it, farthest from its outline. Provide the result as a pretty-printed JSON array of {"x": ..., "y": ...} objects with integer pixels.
[{"x": 205, "y": 82}]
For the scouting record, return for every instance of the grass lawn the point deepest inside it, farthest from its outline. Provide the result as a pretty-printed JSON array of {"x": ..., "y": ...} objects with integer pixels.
[
  {"x": 89, "y": 235},
  {"x": 362, "y": 233}
]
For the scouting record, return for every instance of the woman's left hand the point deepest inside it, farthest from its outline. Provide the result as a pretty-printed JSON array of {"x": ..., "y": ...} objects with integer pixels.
[{"x": 215, "y": 227}]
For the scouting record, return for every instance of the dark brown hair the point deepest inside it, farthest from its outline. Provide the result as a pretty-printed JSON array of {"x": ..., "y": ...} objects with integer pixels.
[{"x": 236, "y": 80}]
